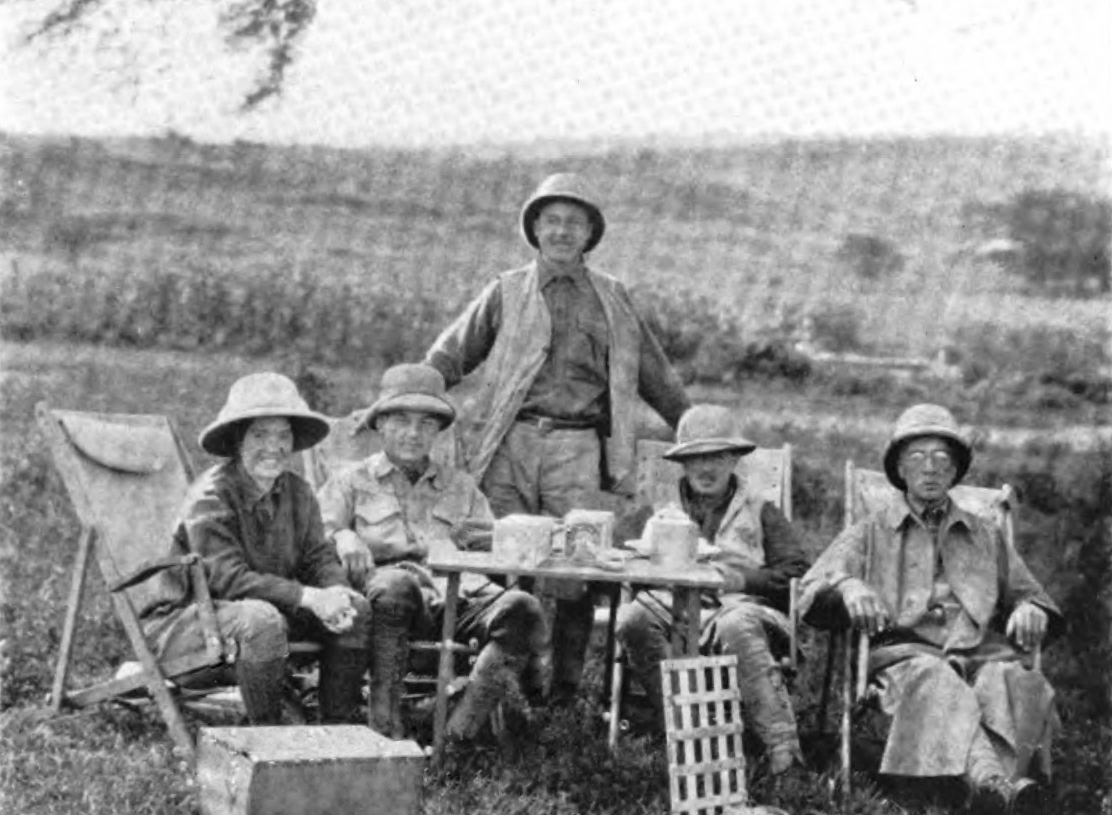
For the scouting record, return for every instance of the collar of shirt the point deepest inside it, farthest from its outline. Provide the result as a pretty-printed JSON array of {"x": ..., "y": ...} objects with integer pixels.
[
  {"x": 249, "y": 490},
  {"x": 904, "y": 511},
  {"x": 547, "y": 272},
  {"x": 382, "y": 468}
]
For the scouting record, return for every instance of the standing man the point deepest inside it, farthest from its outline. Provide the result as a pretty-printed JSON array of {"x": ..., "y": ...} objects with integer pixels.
[
  {"x": 566, "y": 357},
  {"x": 952, "y": 611}
]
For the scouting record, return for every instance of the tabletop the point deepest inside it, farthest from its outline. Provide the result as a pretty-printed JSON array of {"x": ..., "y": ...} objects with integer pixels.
[{"x": 635, "y": 570}]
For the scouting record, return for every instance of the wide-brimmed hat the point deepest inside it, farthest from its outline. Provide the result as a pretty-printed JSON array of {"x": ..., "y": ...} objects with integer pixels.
[
  {"x": 925, "y": 420},
  {"x": 563, "y": 187},
  {"x": 707, "y": 429},
  {"x": 409, "y": 387},
  {"x": 258, "y": 396}
]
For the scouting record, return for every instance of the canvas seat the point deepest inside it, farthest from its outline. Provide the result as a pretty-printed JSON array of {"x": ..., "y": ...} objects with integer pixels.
[
  {"x": 126, "y": 476},
  {"x": 767, "y": 472}
]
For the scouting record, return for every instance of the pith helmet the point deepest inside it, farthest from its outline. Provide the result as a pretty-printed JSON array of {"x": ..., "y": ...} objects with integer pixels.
[
  {"x": 410, "y": 387},
  {"x": 258, "y": 396},
  {"x": 706, "y": 429},
  {"x": 563, "y": 187},
  {"x": 925, "y": 420}
]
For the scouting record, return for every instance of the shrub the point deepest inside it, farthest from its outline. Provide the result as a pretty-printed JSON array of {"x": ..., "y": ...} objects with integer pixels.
[
  {"x": 869, "y": 257},
  {"x": 836, "y": 328},
  {"x": 1066, "y": 238}
]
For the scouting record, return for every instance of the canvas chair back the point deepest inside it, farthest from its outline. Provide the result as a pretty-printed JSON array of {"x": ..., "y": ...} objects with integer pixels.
[
  {"x": 127, "y": 476},
  {"x": 868, "y": 491},
  {"x": 766, "y": 472},
  {"x": 346, "y": 446}
]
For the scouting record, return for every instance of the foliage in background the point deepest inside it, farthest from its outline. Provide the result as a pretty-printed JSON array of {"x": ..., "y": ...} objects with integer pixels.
[
  {"x": 1066, "y": 238},
  {"x": 870, "y": 257}
]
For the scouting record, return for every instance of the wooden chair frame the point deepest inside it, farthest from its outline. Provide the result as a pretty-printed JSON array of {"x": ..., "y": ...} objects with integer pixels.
[
  {"x": 768, "y": 470},
  {"x": 118, "y": 566}
]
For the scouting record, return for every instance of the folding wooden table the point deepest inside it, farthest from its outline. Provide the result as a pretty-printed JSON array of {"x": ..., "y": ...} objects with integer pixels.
[{"x": 685, "y": 586}]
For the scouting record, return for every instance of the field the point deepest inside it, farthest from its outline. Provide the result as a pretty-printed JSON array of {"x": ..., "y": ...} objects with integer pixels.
[{"x": 148, "y": 275}]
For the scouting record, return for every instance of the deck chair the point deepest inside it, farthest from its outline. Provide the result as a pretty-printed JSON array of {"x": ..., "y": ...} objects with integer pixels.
[
  {"x": 344, "y": 445},
  {"x": 126, "y": 476},
  {"x": 866, "y": 492},
  {"x": 767, "y": 472}
]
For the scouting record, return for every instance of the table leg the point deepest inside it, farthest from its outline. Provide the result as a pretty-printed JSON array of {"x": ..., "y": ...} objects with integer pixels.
[
  {"x": 685, "y": 618},
  {"x": 447, "y": 668}
]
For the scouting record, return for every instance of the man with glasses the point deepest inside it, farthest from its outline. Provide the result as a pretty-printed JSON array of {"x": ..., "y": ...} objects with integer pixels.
[
  {"x": 952, "y": 611},
  {"x": 566, "y": 357}
]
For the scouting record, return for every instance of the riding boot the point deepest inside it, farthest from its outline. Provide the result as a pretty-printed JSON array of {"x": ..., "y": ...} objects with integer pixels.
[
  {"x": 389, "y": 663},
  {"x": 260, "y": 686},
  {"x": 494, "y": 676},
  {"x": 341, "y": 677}
]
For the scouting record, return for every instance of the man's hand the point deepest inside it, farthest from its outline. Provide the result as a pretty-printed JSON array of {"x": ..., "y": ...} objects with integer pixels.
[
  {"x": 472, "y": 534},
  {"x": 355, "y": 555},
  {"x": 333, "y": 606},
  {"x": 1027, "y": 625},
  {"x": 865, "y": 608}
]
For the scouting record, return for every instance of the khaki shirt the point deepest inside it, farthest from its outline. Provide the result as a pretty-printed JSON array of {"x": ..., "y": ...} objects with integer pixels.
[{"x": 400, "y": 521}]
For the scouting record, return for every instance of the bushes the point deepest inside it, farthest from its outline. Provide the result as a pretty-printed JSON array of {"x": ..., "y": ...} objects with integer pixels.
[{"x": 1042, "y": 368}]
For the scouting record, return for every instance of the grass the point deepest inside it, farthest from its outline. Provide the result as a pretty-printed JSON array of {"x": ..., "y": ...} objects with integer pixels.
[{"x": 114, "y": 760}]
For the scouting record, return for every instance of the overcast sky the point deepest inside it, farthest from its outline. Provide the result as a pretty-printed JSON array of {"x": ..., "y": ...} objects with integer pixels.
[{"x": 458, "y": 71}]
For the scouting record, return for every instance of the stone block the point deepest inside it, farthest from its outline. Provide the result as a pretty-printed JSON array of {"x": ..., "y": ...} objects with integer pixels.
[{"x": 316, "y": 770}]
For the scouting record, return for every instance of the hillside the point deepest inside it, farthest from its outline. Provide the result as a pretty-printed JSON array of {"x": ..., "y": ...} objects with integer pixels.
[{"x": 753, "y": 229}]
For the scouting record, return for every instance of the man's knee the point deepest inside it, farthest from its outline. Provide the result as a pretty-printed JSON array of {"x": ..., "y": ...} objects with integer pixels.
[
  {"x": 259, "y": 629},
  {"x": 394, "y": 594},
  {"x": 518, "y": 623},
  {"x": 740, "y": 632},
  {"x": 636, "y": 623}
]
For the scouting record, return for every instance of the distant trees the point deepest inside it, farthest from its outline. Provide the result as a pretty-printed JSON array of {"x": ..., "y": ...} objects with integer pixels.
[
  {"x": 870, "y": 257},
  {"x": 1065, "y": 237}
]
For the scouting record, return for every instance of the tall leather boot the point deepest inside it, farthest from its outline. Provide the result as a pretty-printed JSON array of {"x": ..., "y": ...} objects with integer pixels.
[
  {"x": 494, "y": 676},
  {"x": 389, "y": 662},
  {"x": 341, "y": 677},
  {"x": 260, "y": 686}
]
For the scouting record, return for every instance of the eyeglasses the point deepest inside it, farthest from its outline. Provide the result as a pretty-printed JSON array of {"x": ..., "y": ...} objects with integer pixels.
[{"x": 941, "y": 459}]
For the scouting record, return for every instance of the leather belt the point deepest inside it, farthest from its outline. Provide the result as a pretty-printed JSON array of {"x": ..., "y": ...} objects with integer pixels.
[{"x": 547, "y": 424}]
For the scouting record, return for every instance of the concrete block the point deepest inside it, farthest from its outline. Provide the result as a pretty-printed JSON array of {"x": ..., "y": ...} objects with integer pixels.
[{"x": 317, "y": 770}]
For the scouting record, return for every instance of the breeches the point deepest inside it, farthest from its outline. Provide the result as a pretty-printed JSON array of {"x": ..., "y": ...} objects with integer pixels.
[
  {"x": 255, "y": 630},
  {"x": 644, "y": 630},
  {"x": 512, "y": 618}
]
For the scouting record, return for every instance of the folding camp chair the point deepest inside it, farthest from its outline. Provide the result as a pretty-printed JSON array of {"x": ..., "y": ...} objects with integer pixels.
[
  {"x": 766, "y": 472},
  {"x": 345, "y": 445},
  {"x": 127, "y": 476},
  {"x": 867, "y": 492}
]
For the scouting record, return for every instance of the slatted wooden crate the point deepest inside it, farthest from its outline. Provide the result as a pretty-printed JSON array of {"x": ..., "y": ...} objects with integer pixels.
[{"x": 702, "y": 707}]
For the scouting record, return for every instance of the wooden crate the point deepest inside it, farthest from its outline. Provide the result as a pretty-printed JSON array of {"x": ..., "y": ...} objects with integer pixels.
[
  {"x": 702, "y": 712},
  {"x": 317, "y": 770}
]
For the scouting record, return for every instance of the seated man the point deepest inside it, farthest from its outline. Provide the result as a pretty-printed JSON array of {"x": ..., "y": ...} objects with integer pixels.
[
  {"x": 951, "y": 609},
  {"x": 386, "y": 514},
  {"x": 758, "y": 556},
  {"x": 272, "y": 574}
]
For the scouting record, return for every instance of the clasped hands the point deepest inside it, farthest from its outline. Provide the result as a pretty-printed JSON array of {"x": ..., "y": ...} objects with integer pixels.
[
  {"x": 867, "y": 612},
  {"x": 334, "y": 606}
]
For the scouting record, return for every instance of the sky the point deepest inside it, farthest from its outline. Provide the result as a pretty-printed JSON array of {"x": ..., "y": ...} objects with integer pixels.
[{"x": 443, "y": 72}]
